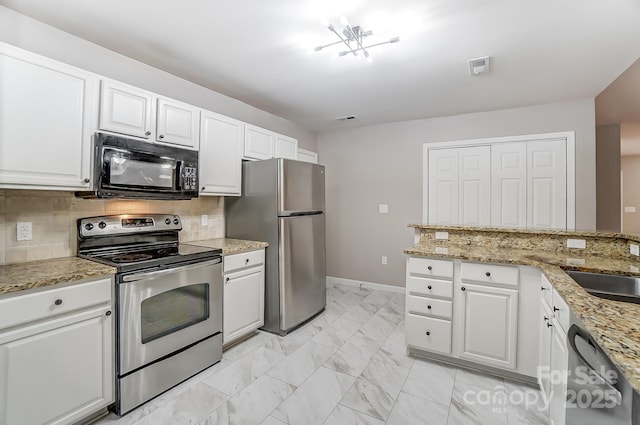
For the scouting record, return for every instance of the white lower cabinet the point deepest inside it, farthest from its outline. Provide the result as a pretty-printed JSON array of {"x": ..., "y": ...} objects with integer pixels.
[
  {"x": 475, "y": 312},
  {"x": 243, "y": 310},
  {"x": 56, "y": 357}
]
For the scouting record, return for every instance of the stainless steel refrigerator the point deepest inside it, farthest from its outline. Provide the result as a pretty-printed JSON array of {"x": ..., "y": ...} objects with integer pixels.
[{"x": 282, "y": 203}]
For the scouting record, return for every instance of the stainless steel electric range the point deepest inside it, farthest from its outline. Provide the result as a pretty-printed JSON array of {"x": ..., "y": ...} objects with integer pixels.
[{"x": 168, "y": 302}]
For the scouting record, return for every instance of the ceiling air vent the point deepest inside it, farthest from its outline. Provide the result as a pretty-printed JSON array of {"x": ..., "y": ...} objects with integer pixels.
[
  {"x": 479, "y": 65},
  {"x": 347, "y": 118}
]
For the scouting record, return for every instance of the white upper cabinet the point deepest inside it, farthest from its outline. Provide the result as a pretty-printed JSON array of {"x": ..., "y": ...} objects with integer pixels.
[
  {"x": 126, "y": 109},
  {"x": 509, "y": 184},
  {"x": 135, "y": 112},
  {"x": 221, "y": 141},
  {"x": 46, "y": 113},
  {"x": 177, "y": 123},
  {"x": 286, "y": 147},
  {"x": 474, "y": 187},
  {"x": 307, "y": 156},
  {"x": 258, "y": 142},
  {"x": 547, "y": 185}
]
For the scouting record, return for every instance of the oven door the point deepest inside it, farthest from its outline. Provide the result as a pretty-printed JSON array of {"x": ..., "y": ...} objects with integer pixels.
[{"x": 161, "y": 312}]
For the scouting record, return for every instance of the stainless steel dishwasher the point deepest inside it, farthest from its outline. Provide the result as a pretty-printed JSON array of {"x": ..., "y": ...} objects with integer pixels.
[{"x": 597, "y": 392}]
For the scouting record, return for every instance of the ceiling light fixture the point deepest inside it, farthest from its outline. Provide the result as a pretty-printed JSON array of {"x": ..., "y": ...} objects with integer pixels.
[{"x": 353, "y": 38}]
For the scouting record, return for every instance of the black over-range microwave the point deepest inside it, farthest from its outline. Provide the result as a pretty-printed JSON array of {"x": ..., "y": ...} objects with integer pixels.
[{"x": 131, "y": 168}]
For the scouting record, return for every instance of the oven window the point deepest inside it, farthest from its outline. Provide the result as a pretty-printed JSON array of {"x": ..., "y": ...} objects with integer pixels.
[{"x": 173, "y": 310}]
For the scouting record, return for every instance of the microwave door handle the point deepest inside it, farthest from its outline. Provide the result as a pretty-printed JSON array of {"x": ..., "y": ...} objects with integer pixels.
[{"x": 179, "y": 175}]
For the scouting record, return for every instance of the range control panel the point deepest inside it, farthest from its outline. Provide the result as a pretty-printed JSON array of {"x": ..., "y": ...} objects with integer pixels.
[{"x": 127, "y": 224}]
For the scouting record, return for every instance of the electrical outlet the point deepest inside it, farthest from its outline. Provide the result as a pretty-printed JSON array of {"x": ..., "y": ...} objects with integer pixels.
[
  {"x": 384, "y": 260},
  {"x": 204, "y": 220},
  {"x": 383, "y": 208},
  {"x": 576, "y": 243},
  {"x": 629, "y": 209},
  {"x": 442, "y": 235},
  {"x": 634, "y": 249},
  {"x": 442, "y": 250},
  {"x": 24, "y": 231}
]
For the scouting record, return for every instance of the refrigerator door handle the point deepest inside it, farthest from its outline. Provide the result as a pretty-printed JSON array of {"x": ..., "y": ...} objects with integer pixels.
[{"x": 298, "y": 213}]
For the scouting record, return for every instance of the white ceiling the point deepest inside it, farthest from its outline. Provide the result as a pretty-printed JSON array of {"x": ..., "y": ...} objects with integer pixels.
[{"x": 257, "y": 51}]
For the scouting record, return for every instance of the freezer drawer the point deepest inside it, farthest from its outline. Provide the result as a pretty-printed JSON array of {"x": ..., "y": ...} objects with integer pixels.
[{"x": 301, "y": 268}]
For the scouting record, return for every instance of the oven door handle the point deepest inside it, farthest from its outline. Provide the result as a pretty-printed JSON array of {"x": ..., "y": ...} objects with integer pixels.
[{"x": 151, "y": 275}]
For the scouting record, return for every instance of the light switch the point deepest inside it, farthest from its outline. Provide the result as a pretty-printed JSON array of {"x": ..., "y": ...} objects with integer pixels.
[
  {"x": 383, "y": 208},
  {"x": 204, "y": 220}
]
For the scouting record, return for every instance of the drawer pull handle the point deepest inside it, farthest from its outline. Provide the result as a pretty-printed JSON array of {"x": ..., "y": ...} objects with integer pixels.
[
  {"x": 429, "y": 287},
  {"x": 463, "y": 288},
  {"x": 108, "y": 313},
  {"x": 555, "y": 309},
  {"x": 488, "y": 274},
  {"x": 58, "y": 302},
  {"x": 428, "y": 307},
  {"x": 429, "y": 268}
]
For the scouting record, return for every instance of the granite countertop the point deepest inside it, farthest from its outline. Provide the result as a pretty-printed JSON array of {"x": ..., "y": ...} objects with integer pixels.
[
  {"x": 231, "y": 246},
  {"x": 614, "y": 325},
  {"x": 38, "y": 274}
]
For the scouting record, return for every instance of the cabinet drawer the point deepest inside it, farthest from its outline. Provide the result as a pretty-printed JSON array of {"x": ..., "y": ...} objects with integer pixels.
[
  {"x": 246, "y": 259},
  {"x": 430, "y": 267},
  {"x": 489, "y": 273},
  {"x": 427, "y": 333},
  {"x": 40, "y": 305},
  {"x": 429, "y": 287},
  {"x": 429, "y": 306}
]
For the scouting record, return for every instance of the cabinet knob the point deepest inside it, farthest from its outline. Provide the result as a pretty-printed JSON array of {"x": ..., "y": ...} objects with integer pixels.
[
  {"x": 546, "y": 319},
  {"x": 428, "y": 307},
  {"x": 148, "y": 133},
  {"x": 463, "y": 288},
  {"x": 429, "y": 287},
  {"x": 226, "y": 280},
  {"x": 246, "y": 261},
  {"x": 202, "y": 188},
  {"x": 429, "y": 268},
  {"x": 555, "y": 309},
  {"x": 58, "y": 301},
  {"x": 542, "y": 288},
  {"x": 87, "y": 180},
  {"x": 108, "y": 313},
  {"x": 488, "y": 274},
  {"x": 161, "y": 136},
  {"x": 428, "y": 333},
  {"x": 549, "y": 324}
]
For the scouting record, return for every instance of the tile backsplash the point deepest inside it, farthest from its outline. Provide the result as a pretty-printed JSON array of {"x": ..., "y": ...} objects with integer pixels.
[{"x": 54, "y": 216}]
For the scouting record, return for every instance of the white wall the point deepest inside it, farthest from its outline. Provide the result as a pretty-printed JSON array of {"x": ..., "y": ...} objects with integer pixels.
[
  {"x": 29, "y": 34},
  {"x": 383, "y": 164}
]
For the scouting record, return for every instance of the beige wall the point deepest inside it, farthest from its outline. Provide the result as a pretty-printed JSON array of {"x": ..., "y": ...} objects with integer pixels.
[
  {"x": 608, "y": 177},
  {"x": 383, "y": 164},
  {"x": 631, "y": 193},
  {"x": 53, "y": 216},
  {"x": 29, "y": 34}
]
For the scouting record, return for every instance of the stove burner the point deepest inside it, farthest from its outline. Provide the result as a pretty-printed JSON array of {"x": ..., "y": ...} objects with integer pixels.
[{"x": 131, "y": 258}]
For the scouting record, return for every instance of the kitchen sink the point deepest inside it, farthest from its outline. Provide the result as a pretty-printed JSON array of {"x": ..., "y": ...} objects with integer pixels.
[{"x": 613, "y": 287}]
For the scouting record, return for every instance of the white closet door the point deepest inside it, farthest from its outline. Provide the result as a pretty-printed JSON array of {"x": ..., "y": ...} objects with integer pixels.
[
  {"x": 509, "y": 184},
  {"x": 474, "y": 188},
  {"x": 443, "y": 186},
  {"x": 547, "y": 184}
]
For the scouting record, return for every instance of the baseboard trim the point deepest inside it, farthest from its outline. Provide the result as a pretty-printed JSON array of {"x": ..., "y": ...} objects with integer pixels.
[{"x": 368, "y": 285}]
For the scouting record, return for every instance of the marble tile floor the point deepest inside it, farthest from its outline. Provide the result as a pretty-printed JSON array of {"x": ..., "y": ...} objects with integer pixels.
[{"x": 346, "y": 367}]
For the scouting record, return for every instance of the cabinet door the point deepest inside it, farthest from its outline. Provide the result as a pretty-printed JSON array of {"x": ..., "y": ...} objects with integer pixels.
[
  {"x": 177, "y": 123},
  {"x": 46, "y": 112},
  {"x": 443, "y": 186},
  {"x": 546, "y": 333},
  {"x": 125, "y": 109},
  {"x": 58, "y": 371},
  {"x": 221, "y": 140},
  {"x": 307, "y": 156},
  {"x": 547, "y": 185},
  {"x": 258, "y": 143},
  {"x": 488, "y": 323},
  {"x": 243, "y": 303},
  {"x": 286, "y": 147},
  {"x": 509, "y": 184},
  {"x": 474, "y": 187},
  {"x": 559, "y": 365}
]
